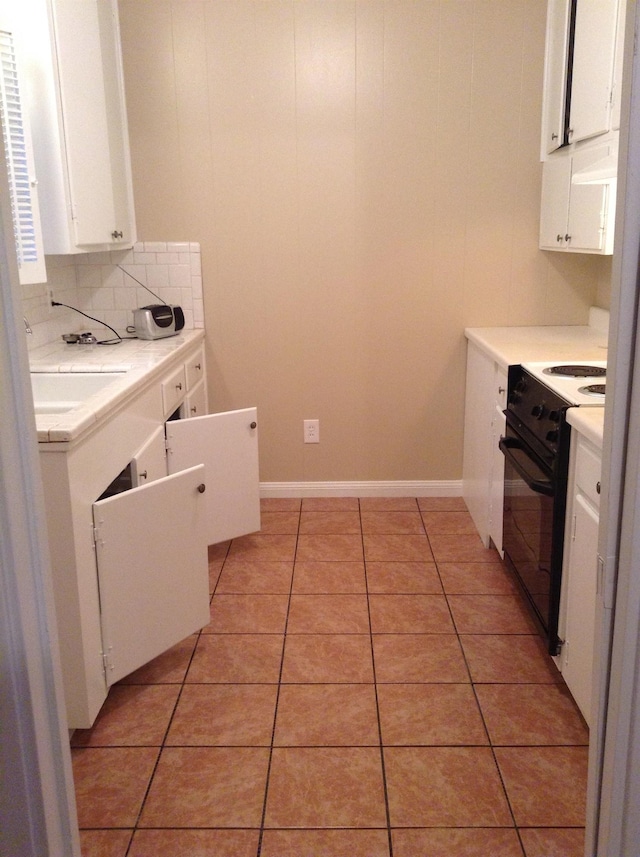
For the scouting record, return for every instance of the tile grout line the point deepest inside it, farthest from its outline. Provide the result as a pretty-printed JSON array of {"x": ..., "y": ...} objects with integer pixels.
[
  {"x": 166, "y": 732},
  {"x": 275, "y": 712},
  {"x": 375, "y": 691}
]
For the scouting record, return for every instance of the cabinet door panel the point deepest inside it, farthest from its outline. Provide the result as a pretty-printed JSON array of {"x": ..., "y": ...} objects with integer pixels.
[
  {"x": 588, "y": 207},
  {"x": 555, "y": 78},
  {"x": 616, "y": 100},
  {"x": 96, "y": 141},
  {"x": 554, "y": 205},
  {"x": 497, "y": 480},
  {"x": 587, "y": 217},
  {"x": 152, "y": 569},
  {"x": 150, "y": 462},
  {"x": 577, "y": 666},
  {"x": 592, "y": 76},
  {"x": 228, "y": 445},
  {"x": 196, "y": 402}
]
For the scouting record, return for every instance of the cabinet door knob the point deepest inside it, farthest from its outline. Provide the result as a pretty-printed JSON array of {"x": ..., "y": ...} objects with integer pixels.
[
  {"x": 501, "y": 390},
  {"x": 193, "y": 409},
  {"x": 202, "y": 488},
  {"x": 179, "y": 386},
  {"x": 554, "y": 136},
  {"x": 567, "y": 238},
  {"x": 198, "y": 366},
  {"x": 116, "y": 234},
  {"x": 559, "y": 239},
  {"x": 253, "y": 425},
  {"x": 143, "y": 475},
  {"x": 597, "y": 487}
]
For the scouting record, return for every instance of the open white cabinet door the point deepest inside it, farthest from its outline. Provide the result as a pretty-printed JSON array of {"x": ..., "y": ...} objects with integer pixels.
[
  {"x": 227, "y": 444},
  {"x": 152, "y": 569}
]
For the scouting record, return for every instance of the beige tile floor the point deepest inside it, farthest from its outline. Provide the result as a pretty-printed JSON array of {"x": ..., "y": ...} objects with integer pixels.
[{"x": 370, "y": 685}]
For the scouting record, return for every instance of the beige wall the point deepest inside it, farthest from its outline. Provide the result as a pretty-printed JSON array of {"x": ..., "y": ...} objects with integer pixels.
[{"x": 364, "y": 180}]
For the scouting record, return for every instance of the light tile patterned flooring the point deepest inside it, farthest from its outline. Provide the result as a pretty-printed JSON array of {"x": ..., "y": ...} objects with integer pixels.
[{"x": 370, "y": 685}]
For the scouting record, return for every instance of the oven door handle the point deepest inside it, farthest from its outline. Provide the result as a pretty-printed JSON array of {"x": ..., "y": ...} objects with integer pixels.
[{"x": 535, "y": 478}]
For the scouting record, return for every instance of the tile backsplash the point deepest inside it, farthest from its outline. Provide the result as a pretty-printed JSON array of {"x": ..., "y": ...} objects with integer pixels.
[{"x": 102, "y": 286}]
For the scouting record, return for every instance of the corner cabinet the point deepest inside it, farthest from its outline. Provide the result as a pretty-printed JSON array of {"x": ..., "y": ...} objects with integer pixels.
[
  {"x": 131, "y": 509},
  {"x": 580, "y": 573},
  {"x": 79, "y": 125},
  {"x": 483, "y": 463}
]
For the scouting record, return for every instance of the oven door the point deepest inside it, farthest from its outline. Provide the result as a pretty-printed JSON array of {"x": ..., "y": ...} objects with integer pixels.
[{"x": 529, "y": 544}]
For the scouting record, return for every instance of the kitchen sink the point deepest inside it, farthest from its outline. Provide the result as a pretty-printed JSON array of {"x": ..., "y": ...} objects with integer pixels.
[{"x": 59, "y": 392}]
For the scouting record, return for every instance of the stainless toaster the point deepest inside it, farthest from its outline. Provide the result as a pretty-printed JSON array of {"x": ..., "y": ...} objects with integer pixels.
[{"x": 157, "y": 321}]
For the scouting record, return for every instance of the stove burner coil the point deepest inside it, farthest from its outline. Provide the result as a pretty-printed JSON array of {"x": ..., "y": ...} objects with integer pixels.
[
  {"x": 593, "y": 390},
  {"x": 576, "y": 371}
]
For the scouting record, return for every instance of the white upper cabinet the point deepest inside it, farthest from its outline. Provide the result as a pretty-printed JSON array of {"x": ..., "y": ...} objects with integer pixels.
[
  {"x": 583, "y": 65},
  {"x": 556, "y": 77},
  {"x": 592, "y": 74},
  {"x": 580, "y": 122},
  {"x": 618, "y": 62},
  {"x": 576, "y": 218},
  {"x": 79, "y": 124}
]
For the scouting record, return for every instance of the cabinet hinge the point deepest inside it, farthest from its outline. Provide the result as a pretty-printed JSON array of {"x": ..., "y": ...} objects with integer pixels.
[
  {"x": 107, "y": 662},
  {"x": 96, "y": 538}
]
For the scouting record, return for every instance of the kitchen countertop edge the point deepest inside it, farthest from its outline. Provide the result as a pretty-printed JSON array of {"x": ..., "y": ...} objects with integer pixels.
[
  {"x": 140, "y": 360},
  {"x": 589, "y": 422},
  {"x": 513, "y": 345}
]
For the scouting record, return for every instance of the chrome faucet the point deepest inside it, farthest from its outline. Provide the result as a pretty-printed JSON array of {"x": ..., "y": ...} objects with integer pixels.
[{"x": 27, "y": 326}]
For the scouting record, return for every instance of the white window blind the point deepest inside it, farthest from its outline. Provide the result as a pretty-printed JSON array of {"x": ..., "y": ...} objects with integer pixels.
[{"x": 17, "y": 142}]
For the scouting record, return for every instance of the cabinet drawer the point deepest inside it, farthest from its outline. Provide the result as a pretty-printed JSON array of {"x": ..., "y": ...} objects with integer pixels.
[
  {"x": 195, "y": 369},
  {"x": 196, "y": 402},
  {"x": 588, "y": 471},
  {"x": 174, "y": 389}
]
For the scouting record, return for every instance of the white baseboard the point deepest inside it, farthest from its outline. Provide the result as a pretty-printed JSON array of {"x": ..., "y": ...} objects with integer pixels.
[{"x": 450, "y": 488}]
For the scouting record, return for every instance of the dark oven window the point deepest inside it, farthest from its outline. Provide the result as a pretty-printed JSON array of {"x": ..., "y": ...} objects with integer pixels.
[{"x": 528, "y": 538}]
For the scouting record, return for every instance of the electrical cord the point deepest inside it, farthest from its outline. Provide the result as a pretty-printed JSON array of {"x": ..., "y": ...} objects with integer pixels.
[
  {"x": 98, "y": 321},
  {"x": 157, "y": 297}
]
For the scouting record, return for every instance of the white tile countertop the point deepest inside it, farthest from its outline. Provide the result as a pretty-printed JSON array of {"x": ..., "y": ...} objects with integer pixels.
[
  {"x": 589, "y": 422},
  {"x": 138, "y": 360}
]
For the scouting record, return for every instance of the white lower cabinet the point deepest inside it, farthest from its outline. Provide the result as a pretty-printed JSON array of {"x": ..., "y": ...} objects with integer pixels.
[
  {"x": 131, "y": 568},
  {"x": 228, "y": 445},
  {"x": 580, "y": 573},
  {"x": 483, "y": 463},
  {"x": 154, "y": 585}
]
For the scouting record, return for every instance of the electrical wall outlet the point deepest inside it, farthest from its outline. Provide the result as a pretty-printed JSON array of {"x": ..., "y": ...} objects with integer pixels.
[{"x": 311, "y": 431}]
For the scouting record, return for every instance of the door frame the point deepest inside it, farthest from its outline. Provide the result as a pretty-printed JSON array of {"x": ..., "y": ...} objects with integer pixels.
[{"x": 37, "y": 801}]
